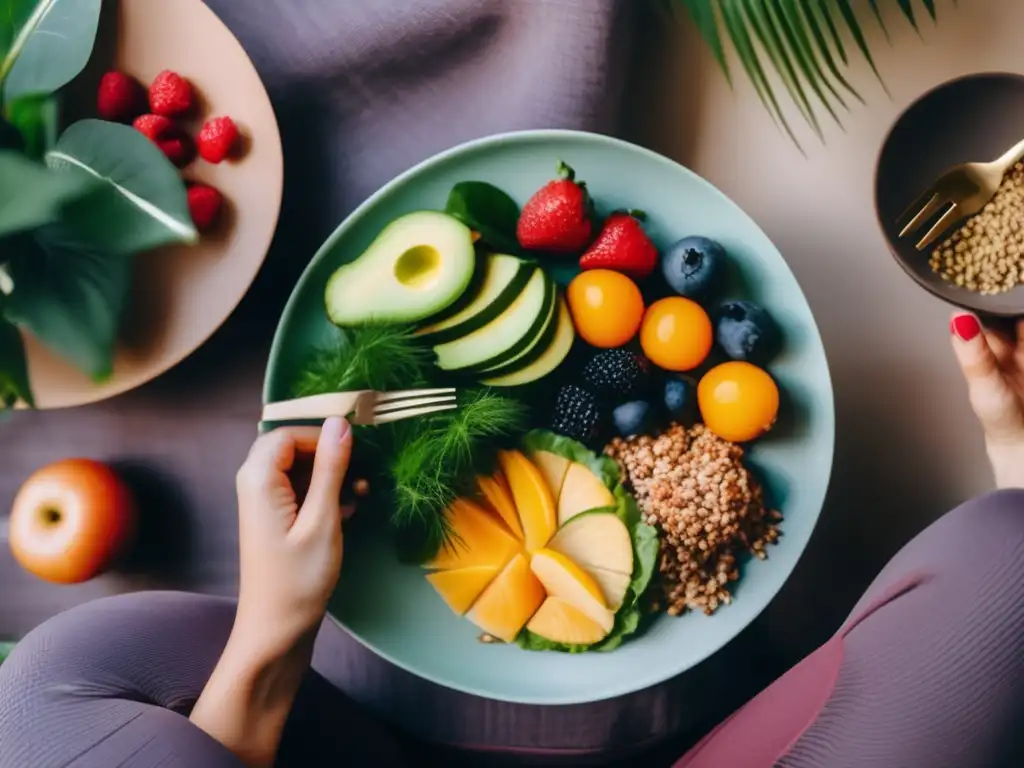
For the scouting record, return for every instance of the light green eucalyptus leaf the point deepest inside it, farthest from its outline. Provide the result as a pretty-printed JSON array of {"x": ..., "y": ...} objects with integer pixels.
[
  {"x": 140, "y": 203},
  {"x": 32, "y": 195},
  {"x": 47, "y": 43},
  {"x": 71, "y": 299}
]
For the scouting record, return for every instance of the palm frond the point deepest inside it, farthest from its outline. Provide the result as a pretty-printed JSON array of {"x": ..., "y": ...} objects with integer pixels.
[{"x": 805, "y": 43}]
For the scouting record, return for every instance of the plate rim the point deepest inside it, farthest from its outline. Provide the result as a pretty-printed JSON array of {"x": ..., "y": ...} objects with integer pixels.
[
  {"x": 99, "y": 394},
  {"x": 637, "y": 683}
]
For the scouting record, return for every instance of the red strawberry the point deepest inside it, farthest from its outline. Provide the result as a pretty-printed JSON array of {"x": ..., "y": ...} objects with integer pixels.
[
  {"x": 217, "y": 138},
  {"x": 557, "y": 217},
  {"x": 204, "y": 203},
  {"x": 623, "y": 246},
  {"x": 120, "y": 98},
  {"x": 173, "y": 142},
  {"x": 170, "y": 94}
]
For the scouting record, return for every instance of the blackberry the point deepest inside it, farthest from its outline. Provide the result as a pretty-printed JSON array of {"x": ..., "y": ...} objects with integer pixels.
[
  {"x": 617, "y": 374},
  {"x": 576, "y": 414}
]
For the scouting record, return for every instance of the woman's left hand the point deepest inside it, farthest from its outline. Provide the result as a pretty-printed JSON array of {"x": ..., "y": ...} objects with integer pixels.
[{"x": 290, "y": 554}]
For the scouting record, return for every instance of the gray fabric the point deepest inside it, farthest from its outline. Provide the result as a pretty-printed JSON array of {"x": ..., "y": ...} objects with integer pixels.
[{"x": 934, "y": 677}]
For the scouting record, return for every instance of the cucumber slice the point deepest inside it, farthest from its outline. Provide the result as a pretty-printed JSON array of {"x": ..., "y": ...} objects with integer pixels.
[{"x": 503, "y": 280}]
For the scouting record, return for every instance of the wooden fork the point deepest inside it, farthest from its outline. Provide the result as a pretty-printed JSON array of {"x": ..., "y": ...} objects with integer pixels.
[
  {"x": 365, "y": 408},
  {"x": 962, "y": 191}
]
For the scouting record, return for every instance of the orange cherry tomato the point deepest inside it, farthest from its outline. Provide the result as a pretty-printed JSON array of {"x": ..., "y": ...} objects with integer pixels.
[
  {"x": 738, "y": 401},
  {"x": 71, "y": 520},
  {"x": 606, "y": 307},
  {"x": 676, "y": 334}
]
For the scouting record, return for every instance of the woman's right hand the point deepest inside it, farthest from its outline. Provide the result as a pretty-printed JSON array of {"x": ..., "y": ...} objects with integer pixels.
[{"x": 993, "y": 365}]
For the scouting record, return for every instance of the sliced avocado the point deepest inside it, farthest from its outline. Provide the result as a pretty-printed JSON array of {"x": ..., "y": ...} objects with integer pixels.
[
  {"x": 506, "y": 334},
  {"x": 552, "y": 357},
  {"x": 504, "y": 279},
  {"x": 418, "y": 265},
  {"x": 536, "y": 348},
  {"x": 524, "y": 343}
]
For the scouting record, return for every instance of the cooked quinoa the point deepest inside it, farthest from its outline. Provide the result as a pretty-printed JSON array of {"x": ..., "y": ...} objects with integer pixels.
[
  {"x": 986, "y": 254},
  {"x": 708, "y": 509}
]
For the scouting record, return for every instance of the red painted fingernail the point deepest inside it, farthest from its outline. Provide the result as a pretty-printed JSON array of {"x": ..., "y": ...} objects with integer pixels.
[{"x": 965, "y": 327}]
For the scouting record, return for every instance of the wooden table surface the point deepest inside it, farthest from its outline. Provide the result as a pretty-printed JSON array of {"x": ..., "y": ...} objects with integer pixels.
[{"x": 182, "y": 437}]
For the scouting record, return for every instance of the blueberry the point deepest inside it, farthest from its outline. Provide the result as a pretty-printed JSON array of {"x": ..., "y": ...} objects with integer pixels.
[
  {"x": 633, "y": 418},
  {"x": 745, "y": 331},
  {"x": 680, "y": 397},
  {"x": 694, "y": 266}
]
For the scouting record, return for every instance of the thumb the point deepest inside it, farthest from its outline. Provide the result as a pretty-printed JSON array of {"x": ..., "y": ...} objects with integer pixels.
[
  {"x": 992, "y": 399},
  {"x": 333, "y": 450}
]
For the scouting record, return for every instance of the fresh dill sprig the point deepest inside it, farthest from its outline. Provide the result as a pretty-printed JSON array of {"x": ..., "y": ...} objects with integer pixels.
[
  {"x": 373, "y": 356},
  {"x": 441, "y": 460}
]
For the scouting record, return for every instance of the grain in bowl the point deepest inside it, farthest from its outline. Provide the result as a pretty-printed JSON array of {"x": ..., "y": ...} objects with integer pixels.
[{"x": 986, "y": 254}]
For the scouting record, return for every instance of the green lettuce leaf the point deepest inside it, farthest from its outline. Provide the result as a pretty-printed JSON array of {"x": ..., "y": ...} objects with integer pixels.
[{"x": 645, "y": 543}]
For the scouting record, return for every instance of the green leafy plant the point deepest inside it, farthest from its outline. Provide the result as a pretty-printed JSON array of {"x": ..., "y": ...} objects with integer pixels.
[
  {"x": 75, "y": 207},
  {"x": 5, "y": 650},
  {"x": 807, "y": 43}
]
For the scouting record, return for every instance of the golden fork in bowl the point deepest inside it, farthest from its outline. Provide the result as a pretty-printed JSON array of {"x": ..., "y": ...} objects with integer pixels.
[
  {"x": 365, "y": 407},
  {"x": 962, "y": 191}
]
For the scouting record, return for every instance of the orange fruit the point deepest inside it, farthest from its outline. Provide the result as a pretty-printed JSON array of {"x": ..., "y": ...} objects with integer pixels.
[
  {"x": 606, "y": 307},
  {"x": 738, "y": 401},
  {"x": 676, "y": 334}
]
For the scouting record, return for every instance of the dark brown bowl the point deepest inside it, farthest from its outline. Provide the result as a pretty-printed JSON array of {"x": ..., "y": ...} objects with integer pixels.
[{"x": 972, "y": 118}]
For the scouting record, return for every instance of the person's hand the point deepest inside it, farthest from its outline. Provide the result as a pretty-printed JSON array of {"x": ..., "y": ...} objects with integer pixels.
[
  {"x": 290, "y": 554},
  {"x": 290, "y": 561},
  {"x": 993, "y": 365}
]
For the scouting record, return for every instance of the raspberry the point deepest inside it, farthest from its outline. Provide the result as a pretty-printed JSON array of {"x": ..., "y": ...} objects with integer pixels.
[
  {"x": 217, "y": 138},
  {"x": 170, "y": 94},
  {"x": 616, "y": 373},
  {"x": 179, "y": 149},
  {"x": 120, "y": 98},
  {"x": 153, "y": 127},
  {"x": 576, "y": 414},
  {"x": 204, "y": 203},
  {"x": 173, "y": 142}
]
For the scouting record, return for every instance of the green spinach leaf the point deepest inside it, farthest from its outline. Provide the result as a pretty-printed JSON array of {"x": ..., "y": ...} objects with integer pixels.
[
  {"x": 71, "y": 298},
  {"x": 46, "y": 43},
  {"x": 141, "y": 202},
  {"x": 14, "y": 384},
  {"x": 488, "y": 210},
  {"x": 37, "y": 120},
  {"x": 32, "y": 195}
]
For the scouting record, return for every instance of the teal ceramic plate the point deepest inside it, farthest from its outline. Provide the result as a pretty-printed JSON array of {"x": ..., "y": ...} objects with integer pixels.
[{"x": 391, "y": 608}]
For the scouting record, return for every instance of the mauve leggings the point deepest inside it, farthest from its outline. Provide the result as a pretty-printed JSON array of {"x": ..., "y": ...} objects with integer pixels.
[{"x": 927, "y": 673}]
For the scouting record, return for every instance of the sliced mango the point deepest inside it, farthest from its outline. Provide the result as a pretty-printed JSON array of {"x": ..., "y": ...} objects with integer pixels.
[
  {"x": 478, "y": 538},
  {"x": 596, "y": 540},
  {"x": 532, "y": 497},
  {"x": 553, "y": 467},
  {"x": 508, "y": 602},
  {"x": 582, "y": 491},
  {"x": 563, "y": 578},
  {"x": 495, "y": 489},
  {"x": 561, "y": 622},
  {"x": 460, "y": 588}
]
